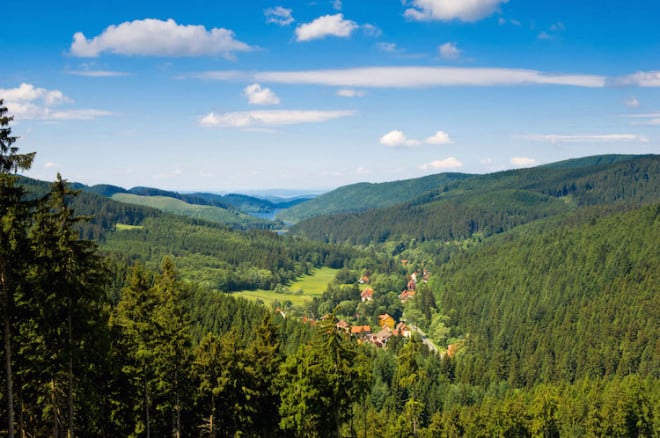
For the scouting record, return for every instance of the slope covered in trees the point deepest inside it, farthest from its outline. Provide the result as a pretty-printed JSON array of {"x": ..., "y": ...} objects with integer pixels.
[
  {"x": 364, "y": 196},
  {"x": 222, "y": 215},
  {"x": 576, "y": 302},
  {"x": 497, "y": 202}
]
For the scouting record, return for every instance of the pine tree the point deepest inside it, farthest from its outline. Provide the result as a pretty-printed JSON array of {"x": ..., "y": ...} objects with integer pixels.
[
  {"x": 133, "y": 313},
  {"x": 68, "y": 277},
  {"x": 14, "y": 212}
]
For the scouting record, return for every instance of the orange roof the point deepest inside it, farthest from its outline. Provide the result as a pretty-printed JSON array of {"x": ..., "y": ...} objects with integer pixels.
[{"x": 360, "y": 329}]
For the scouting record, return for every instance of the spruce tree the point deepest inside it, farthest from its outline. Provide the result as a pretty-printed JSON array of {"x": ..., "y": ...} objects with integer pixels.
[{"x": 14, "y": 212}]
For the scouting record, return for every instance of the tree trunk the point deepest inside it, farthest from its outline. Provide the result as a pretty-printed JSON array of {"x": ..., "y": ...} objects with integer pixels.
[
  {"x": 7, "y": 351},
  {"x": 70, "y": 433},
  {"x": 146, "y": 408}
]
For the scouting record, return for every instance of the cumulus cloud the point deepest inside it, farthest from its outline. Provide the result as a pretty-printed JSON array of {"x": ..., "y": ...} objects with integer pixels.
[
  {"x": 397, "y": 138},
  {"x": 327, "y": 25},
  {"x": 588, "y": 138},
  {"x": 349, "y": 92},
  {"x": 449, "y": 51},
  {"x": 152, "y": 37},
  {"x": 30, "y": 102},
  {"x": 440, "y": 137},
  {"x": 446, "y": 10},
  {"x": 523, "y": 162},
  {"x": 447, "y": 163},
  {"x": 260, "y": 96},
  {"x": 421, "y": 77},
  {"x": 250, "y": 119},
  {"x": 279, "y": 15}
]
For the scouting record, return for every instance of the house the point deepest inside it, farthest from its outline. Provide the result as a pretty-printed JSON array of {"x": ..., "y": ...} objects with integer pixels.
[
  {"x": 360, "y": 330},
  {"x": 386, "y": 321},
  {"x": 402, "y": 330},
  {"x": 364, "y": 280},
  {"x": 367, "y": 294},
  {"x": 452, "y": 349},
  {"x": 380, "y": 339},
  {"x": 406, "y": 295}
]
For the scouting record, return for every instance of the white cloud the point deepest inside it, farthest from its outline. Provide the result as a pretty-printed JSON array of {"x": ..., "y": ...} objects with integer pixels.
[
  {"x": 502, "y": 21},
  {"x": 589, "y": 138},
  {"x": 652, "y": 119},
  {"x": 446, "y": 10},
  {"x": 632, "y": 102},
  {"x": 386, "y": 47},
  {"x": 337, "y": 4},
  {"x": 557, "y": 27},
  {"x": 260, "y": 96},
  {"x": 440, "y": 137},
  {"x": 544, "y": 36},
  {"x": 349, "y": 92},
  {"x": 523, "y": 162},
  {"x": 638, "y": 79},
  {"x": 279, "y": 15},
  {"x": 97, "y": 73},
  {"x": 447, "y": 163},
  {"x": 327, "y": 25},
  {"x": 49, "y": 164},
  {"x": 371, "y": 31},
  {"x": 250, "y": 119},
  {"x": 397, "y": 138},
  {"x": 449, "y": 51},
  {"x": 420, "y": 77},
  {"x": 29, "y": 93},
  {"x": 152, "y": 37},
  {"x": 30, "y": 102}
]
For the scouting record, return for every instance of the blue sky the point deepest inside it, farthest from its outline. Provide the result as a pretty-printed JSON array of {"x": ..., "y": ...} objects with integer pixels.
[{"x": 312, "y": 95}]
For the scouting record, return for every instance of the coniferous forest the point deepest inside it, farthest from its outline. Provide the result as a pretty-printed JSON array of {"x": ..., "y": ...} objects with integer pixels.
[{"x": 518, "y": 304}]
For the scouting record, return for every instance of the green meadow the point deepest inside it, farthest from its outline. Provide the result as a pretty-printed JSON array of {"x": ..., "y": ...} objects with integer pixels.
[
  {"x": 125, "y": 227},
  {"x": 299, "y": 292}
]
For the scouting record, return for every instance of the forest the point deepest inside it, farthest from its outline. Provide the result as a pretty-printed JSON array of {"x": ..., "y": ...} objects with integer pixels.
[{"x": 522, "y": 304}]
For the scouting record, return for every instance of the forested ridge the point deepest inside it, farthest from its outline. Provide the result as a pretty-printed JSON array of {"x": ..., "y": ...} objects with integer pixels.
[
  {"x": 545, "y": 325},
  {"x": 496, "y": 202}
]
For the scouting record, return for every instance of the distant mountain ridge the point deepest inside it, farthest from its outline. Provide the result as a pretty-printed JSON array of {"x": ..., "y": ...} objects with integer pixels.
[
  {"x": 496, "y": 202},
  {"x": 362, "y": 196}
]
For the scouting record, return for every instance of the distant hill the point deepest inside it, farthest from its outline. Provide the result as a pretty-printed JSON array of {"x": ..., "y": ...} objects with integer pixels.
[
  {"x": 497, "y": 202},
  {"x": 364, "y": 196},
  {"x": 216, "y": 214}
]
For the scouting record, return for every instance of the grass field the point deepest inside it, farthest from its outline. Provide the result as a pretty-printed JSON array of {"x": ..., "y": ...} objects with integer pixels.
[
  {"x": 124, "y": 227},
  {"x": 300, "y": 292}
]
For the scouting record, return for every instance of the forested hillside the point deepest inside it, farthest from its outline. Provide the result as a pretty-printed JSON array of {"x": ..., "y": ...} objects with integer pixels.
[
  {"x": 217, "y": 257},
  {"x": 364, "y": 196},
  {"x": 222, "y": 215},
  {"x": 497, "y": 202}
]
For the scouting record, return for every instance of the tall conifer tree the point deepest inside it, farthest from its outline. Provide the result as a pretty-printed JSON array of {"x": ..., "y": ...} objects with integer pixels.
[{"x": 15, "y": 221}]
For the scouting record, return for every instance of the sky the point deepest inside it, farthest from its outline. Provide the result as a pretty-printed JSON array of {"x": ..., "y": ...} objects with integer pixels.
[{"x": 227, "y": 96}]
